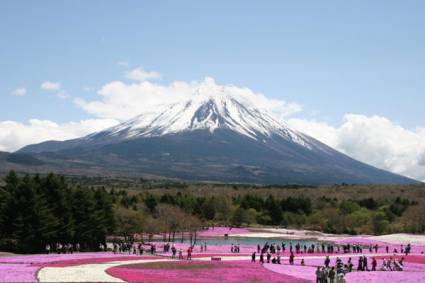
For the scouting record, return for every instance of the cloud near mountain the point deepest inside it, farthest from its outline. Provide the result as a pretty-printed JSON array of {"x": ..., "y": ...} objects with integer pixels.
[
  {"x": 122, "y": 101},
  {"x": 374, "y": 140}
]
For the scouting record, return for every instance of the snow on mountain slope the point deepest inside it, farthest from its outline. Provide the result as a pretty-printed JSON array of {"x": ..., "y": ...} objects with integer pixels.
[{"x": 202, "y": 111}]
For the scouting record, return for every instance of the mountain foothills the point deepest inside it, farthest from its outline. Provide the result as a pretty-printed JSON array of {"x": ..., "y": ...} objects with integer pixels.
[{"x": 218, "y": 137}]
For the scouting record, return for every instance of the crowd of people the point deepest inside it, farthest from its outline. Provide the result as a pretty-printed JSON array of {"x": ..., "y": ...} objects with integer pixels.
[
  {"x": 271, "y": 253},
  {"x": 139, "y": 248},
  {"x": 298, "y": 248},
  {"x": 131, "y": 247},
  {"x": 347, "y": 248},
  {"x": 331, "y": 274},
  {"x": 235, "y": 248},
  {"x": 61, "y": 248}
]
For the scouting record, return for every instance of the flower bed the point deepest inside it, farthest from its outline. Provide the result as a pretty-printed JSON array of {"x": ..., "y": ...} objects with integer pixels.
[
  {"x": 10, "y": 272},
  {"x": 199, "y": 271},
  {"x": 414, "y": 266},
  {"x": 386, "y": 276},
  {"x": 44, "y": 258},
  {"x": 301, "y": 272},
  {"x": 74, "y": 262},
  {"x": 23, "y": 268}
]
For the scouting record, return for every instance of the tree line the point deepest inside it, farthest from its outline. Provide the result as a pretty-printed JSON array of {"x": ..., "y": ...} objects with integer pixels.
[
  {"x": 36, "y": 211},
  {"x": 39, "y": 210},
  {"x": 328, "y": 214}
]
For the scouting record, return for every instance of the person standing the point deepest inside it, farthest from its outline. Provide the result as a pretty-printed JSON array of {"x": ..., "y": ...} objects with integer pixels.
[
  {"x": 408, "y": 249},
  {"x": 189, "y": 253},
  {"x": 327, "y": 261},
  {"x": 360, "y": 264},
  {"x": 253, "y": 257},
  {"x": 374, "y": 264},
  {"x": 174, "y": 251},
  {"x": 331, "y": 275},
  {"x": 365, "y": 267},
  {"x": 323, "y": 275},
  {"x": 318, "y": 275},
  {"x": 291, "y": 258}
]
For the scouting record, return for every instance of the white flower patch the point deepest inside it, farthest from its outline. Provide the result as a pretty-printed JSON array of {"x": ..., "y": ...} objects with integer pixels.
[
  {"x": 401, "y": 239},
  {"x": 86, "y": 272}
]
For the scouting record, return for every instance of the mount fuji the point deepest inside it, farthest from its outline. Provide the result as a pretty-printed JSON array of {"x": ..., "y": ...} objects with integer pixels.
[{"x": 219, "y": 137}]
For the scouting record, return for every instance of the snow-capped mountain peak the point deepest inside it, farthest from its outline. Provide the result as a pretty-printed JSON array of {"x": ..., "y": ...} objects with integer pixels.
[{"x": 208, "y": 110}]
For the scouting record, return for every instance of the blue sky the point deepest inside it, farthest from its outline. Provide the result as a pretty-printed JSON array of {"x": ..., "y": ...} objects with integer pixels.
[{"x": 333, "y": 58}]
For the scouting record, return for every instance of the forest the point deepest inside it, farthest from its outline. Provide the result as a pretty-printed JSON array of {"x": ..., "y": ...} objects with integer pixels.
[{"x": 38, "y": 210}]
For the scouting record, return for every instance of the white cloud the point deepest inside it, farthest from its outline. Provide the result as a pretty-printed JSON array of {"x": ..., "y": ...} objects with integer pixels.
[
  {"x": 14, "y": 135},
  {"x": 88, "y": 89},
  {"x": 55, "y": 87},
  {"x": 422, "y": 160},
  {"x": 121, "y": 101},
  {"x": 375, "y": 140},
  {"x": 50, "y": 86},
  {"x": 140, "y": 74},
  {"x": 20, "y": 91},
  {"x": 123, "y": 63},
  {"x": 62, "y": 95}
]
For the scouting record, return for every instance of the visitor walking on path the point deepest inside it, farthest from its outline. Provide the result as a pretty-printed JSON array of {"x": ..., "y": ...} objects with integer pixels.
[
  {"x": 291, "y": 258},
  {"x": 318, "y": 275},
  {"x": 374, "y": 264},
  {"x": 331, "y": 275},
  {"x": 327, "y": 261},
  {"x": 189, "y": 253}
]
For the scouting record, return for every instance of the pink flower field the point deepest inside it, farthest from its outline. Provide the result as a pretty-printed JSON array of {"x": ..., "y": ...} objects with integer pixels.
[
  {"x": 199, "y": 272},
  {"x": 46, "y": 258},
  {"x": 74, "y": 262},
  {"x": 234, "y": 267},
  {"x": 386, "y": 277},
  {"x": 24, "y": 268},
  {"x": 10, "y": 272}
]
